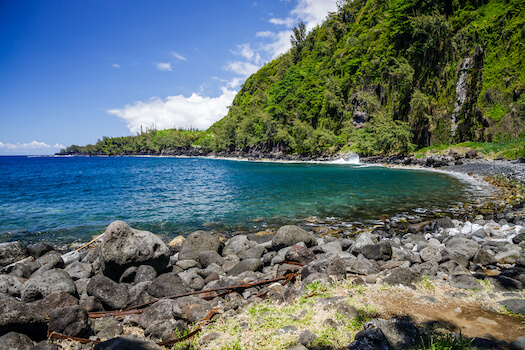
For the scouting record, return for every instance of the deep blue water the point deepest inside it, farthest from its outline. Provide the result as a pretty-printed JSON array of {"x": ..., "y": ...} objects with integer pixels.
[{"x": 72, "y": 198}]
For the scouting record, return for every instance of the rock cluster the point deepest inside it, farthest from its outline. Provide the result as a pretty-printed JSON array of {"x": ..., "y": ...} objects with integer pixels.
[{"x": 44, "y": 290}]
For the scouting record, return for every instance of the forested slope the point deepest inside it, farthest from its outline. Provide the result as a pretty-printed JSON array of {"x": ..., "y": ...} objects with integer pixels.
[{"x": 384, "y": 76}]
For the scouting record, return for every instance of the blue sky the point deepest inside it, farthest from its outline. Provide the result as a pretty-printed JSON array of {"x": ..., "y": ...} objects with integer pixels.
[{"x": 73, "y": 71}]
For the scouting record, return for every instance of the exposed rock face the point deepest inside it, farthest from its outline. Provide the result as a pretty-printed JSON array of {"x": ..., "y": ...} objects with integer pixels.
[{"x": 123, "y": 246}]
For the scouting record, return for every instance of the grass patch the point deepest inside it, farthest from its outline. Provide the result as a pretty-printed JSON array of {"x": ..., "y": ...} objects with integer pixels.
[
  {"x": 446, "y": 341},
  {"x": 425, "y": 283}
]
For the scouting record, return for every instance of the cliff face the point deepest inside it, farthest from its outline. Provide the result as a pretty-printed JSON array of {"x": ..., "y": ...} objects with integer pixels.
[{"x": 387, "y": 77}]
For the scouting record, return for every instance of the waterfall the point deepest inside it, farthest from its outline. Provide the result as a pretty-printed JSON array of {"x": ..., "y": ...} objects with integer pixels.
[{"x": 461, "y": 92}]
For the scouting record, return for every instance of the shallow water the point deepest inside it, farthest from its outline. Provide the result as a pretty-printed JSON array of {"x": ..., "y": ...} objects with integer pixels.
[{"x": 66, "y": 199}]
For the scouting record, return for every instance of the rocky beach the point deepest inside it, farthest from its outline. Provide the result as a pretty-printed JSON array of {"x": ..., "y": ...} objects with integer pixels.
[{"x": 385, "y": 287}]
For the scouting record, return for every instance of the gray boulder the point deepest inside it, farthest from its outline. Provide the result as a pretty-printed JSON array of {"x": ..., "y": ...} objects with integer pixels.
[
  {"x": 123, "y": 246},
  {"x": 15, "y": 341},
  {"x": 11, "y": 252},
  {"x": 166, "y": 329},
  {"x": 465, "y": 282},
  {"x": 442, "y": 223},
  {"x": 10, "y": 285},
  {"x": 461, "y": 249},
  {"x": 246, "y": 265},
  {"x": 255, "y": 252},
  {"x": 53, "y": 301},
  {"x": 236, "y": 245},
  {"x": 78, "y": 270},
  {"x": 431, "y": 253},
  {"x": 209, "y": 257},
  {"x": 401, "y": 275},
  {"x": 364, "y": 239},
  {"x": 162, "y": 310},
  {"x": 19, "y": 317},
  {"x": 360, "y": 266},
  {"x": 111, "y": 294},
  {"x": 299, "y": 253},
  {"x": 515, "y": 305},
  {"x": 38, "y": 249},
  {"x": 198, "y": 241},
  {"x": 52, "y": 258},
  {"x": 145, "y": 273},
  {"x": 289, "y": 235},
  {"x": 330, "y": 264},
  {"x": 381, "y": 251},
  {"x": 192, "y": 309},
  {"x": 70, "y": 320},
  {"x": 127, "y": 342},
  {"x": 46, "y": 283},
  {"x": 166, "y": 285}
]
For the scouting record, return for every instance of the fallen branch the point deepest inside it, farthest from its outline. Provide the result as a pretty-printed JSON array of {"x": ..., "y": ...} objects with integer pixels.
[
  {"x": 56, "y": 335},
  {"x": 91, "y": 242}
]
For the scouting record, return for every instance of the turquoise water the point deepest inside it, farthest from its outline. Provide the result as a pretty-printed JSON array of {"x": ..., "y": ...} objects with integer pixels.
[{"x": 72, "y": 198}]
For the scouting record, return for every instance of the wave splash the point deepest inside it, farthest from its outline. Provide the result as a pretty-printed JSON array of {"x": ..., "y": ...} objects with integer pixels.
[{"x": 349, "y": 158}]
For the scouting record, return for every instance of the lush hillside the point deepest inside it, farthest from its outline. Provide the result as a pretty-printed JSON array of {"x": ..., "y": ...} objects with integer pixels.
[
  {"x": 384, "y": 76},
  {"x": 151, "y": 142}
]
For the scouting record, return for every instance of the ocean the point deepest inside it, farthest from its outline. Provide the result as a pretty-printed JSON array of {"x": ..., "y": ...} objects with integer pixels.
[{"x": 70, "y": 199}]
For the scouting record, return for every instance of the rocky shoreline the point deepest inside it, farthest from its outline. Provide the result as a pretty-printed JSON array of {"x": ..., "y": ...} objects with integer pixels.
[{"x": 47, "y": 295}]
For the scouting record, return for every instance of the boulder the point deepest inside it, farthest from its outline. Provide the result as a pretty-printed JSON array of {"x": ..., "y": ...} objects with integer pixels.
[
  {"x": 127, "y": 342},
  {"x": 167, "y": 284},
  {"x": 465, "y": 282},
  {"x": 192, "y": 309},
  {"x": 38, "y": 249},
  {"x": 198, "y": 241},
  {"x": 431, "y": 253},
  {"x": 460, "y": 249},
  {"x": 514, "y": 305},
  {"x": 236, "y": 245},
  {"x": 53, "y": 301},
  {"x": 70, "y": 320},
  {"x": 112, "y": 295},
  {"x": 442, "y": 223},
  {"x": 52, "y": 259},
  {"x": 255, "y": 252},
  {"x": 401, "y": 275},
  {"x": 246, "y": 265},
  {"x": 289, "y": 235},
  {"x": 145, "y": 273},
  {"x": 330, "y": 264},
  {"x": 46, "y": 283},
  {"x": 15, "y": 341},
  {"x": 381, "y": 251},
  {"x": 166, "y": 329},
  {"x": 11, "y": 252},
  {"x": 19, "y": 317},
  {"x": 138, "y": 294},
  {"x": 78, "y": 270},
  {"x": 299, "y": 253},
  {"x": 484, "y": 257},
  {"x": 123, "y": 246},
  {"x": 10, "y": 285},
  {"x": 360, "y": 267},
  {"x": 209, "y": 257},
  {"x": 364, "y": 239},
  {"x": 162, "y": 310}
]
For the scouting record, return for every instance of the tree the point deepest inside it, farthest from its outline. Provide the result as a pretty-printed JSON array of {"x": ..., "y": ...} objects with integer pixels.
[{"x": 297, "y": 39}]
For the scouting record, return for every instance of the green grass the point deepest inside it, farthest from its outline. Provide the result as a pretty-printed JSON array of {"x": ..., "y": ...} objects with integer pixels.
[{"x": 446, "y": 341}]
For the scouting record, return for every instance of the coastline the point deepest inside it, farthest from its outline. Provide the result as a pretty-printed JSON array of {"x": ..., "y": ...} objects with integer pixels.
[{"x": 313, "y": 289}]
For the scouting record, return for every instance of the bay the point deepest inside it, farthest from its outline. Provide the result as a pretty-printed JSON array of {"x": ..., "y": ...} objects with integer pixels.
[{"x": 66, "y": 199}]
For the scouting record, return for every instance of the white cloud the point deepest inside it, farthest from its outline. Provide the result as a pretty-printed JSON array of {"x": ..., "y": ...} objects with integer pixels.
[
  {"x": 176, "y": 111},
  {"x": 265, "y": 34},
  {"x": 179, "y": 57},
  {"x": 115, "y": 65},
  {"x": 288, "y": 22},
  {"x": 33, "y": 147},
  {"x": 313, "y": 12},
  {"x": 242, "y": 68},
  {"x": 164, "y": 66}
]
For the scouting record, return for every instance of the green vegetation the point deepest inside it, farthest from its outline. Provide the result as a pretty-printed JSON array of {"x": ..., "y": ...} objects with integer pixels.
[
  {"x": 150, "y": 142},
  {"x": 446, "y": 341},
  {"x": 382, "y": 77},
  {"x": 377, "y": 77}
]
